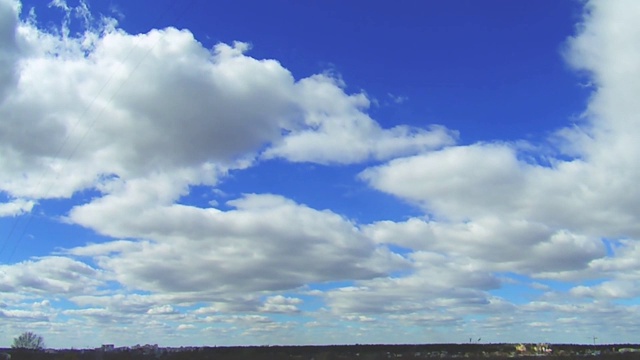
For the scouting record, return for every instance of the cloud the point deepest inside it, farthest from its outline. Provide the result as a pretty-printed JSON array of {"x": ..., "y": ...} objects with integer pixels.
[
  {"x": 438, "y": 282},
  {"x": 281, "y": 305},
  {"x": 50, "y": 275},
  {"x": 619, "y": 274},
  {"x": 99, "y": 315},
  {"x": 268, "y": 243},
  {"x": 339, "y": 131},
  {"x": 122, "y": 304},
  {"x": 16, "y": 207},
  {"x": 106, "y": 104},
  {"x": 183, "y": 327},
  {"x": 607, "y": 290},
  {"x": 107, "y": 248},
  {"x": 440, "y": 181},
  {"x": 23, "y": 315},
  {"x": 8, "y": 45},
  {"x": 398, "y": 99},
  {"x": 493, "y": 201},
  {"x": 162, "y": 310},
  {"x": 143, "y": 118},
  {"x": 98, "y": 114},
  {"x": 555, "y": 218},
  {"x": 499, "y": 244}
]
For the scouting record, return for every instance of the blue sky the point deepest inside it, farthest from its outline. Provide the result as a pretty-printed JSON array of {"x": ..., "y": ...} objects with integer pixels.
[{"x": 243, "y": 172}]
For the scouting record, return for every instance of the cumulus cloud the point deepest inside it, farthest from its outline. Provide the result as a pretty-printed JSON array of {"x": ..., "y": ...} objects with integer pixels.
[
  {"x": 16, "y": 207},
  {"x": 105, "y": 104},
  {"x": 267, "y": 243},
  {"x": 122, "y": 304},
  {"x": 440, "y": 181},
  {"x": 339, "y": 131},
  {"x": 504, "y": 212},
  {"x": 8, "y": 45},
  {"x": 23, "y": 315},
  {"x": 281, "y": 304},
  {"x": 618, "y": 274},
  {"x": 438, "y": 282},
  {"x": 98, "y": 115},
  {"x": 491, "y": 201},
  {"x": 50, "y": 275},
  {"x": 162, "y": 310},
  {"x": 500, "y": 244},
  {"x": 183, "y": 327},
  {"x": 142, "y": 118}
]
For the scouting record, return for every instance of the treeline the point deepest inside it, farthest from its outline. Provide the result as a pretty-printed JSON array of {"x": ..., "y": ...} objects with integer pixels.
[{"x": 335, "y": 352}]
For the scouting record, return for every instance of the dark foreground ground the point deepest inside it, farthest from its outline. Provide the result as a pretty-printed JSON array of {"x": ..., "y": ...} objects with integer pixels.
[{"x": 342, "y": 352}]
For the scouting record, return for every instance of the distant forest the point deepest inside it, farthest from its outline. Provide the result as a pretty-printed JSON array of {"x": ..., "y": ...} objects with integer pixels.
[{"x": 337, "y": 352}]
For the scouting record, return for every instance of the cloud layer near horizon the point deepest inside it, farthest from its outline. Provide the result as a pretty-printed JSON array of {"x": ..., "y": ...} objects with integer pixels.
[{"x": 142, "y": 118}]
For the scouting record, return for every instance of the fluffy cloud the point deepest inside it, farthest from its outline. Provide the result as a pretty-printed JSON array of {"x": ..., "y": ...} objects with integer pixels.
[
  {"x": 440, "y": 181},
  {"x": 16, "y": 207},
  {"x": 621, "y": 271},
  {"x": 340, "y": 132},
  {"x": 133, "y": 306},
  {"x": 99, "y": 114},
  {"x": 107, "y": 104},
  {"x": 142, "y": 118},
  {"x": 23, "y": 315},
  {"x": 162, "y": 310},
  {"x": 501, "y": 185},
  {"x": 500, "y": 244},
  {"x": 267, "y": 243},
  {"x": 495, "y": 205},
  {"x": 8, "y": 45},
  {"x": 437, "y": 283},
  {"x": 281, "y": 304},
  {"x": 50, "y": 275},
  {"x": 492, "y": 202}
]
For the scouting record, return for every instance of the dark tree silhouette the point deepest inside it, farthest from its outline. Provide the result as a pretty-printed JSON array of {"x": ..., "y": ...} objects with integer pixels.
[{"x": 28, "y": 341}]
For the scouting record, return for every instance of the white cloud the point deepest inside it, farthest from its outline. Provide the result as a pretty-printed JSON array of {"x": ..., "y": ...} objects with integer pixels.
[
  {"x": 495, "y": 205},
  {"x": 16, "y": 207},
  {"x": 105, "y": 119},
  {"x": 107, "y": 248},
  {"x": 359, "y": 318},
  {"x": 108, "y": 113},
  {"x": 339, "y": 131},
  {"x": 121, "y": 304},
  {"x": 437, "y": 282},
  {"x": 491, "y": 201},
  {"x": 141, "y": 118},
  {"x": 267, "y": 243},
  {"x": 100, "y": 109},
  {"x": 624, "y": 262},
  {"x": 162, "y": 310},
  {"x": 457, "y": 182},
  {"x": 499, "y": 244},
  {"x": 281, "y": 304},
  {"x": 608, "y": 290},
  {"x": 183, "y": 327},
  {"x": 8, "y": 45},
  {"x": 397, "y": 99},
  {"x": 99, "y": 315},
  {"x": 50, "y": 275},
  {"x": 23, "y": 315}
]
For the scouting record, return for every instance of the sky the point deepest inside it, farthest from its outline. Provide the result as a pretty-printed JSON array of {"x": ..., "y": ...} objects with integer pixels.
[{"x": 286, "y": 172}]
